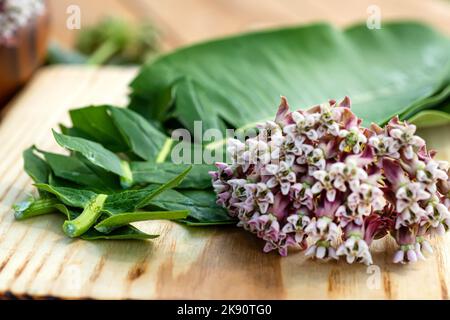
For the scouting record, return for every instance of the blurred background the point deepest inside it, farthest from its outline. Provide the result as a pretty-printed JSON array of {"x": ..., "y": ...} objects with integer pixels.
[
  {"x": 182, "y": 22},
  {"x": 128, "y": 32}
]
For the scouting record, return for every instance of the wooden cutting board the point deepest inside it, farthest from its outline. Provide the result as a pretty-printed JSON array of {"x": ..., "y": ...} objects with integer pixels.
[{"x": 37, "y": 260}]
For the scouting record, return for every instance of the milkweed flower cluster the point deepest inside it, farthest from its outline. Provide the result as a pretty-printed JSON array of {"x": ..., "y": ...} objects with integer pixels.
[
  {"x": 15, "y": 14},
  {"x": 319, "y": 181}
]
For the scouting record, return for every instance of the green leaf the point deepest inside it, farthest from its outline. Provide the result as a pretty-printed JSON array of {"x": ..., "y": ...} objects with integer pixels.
[
  {"x": 430, "y": 118},
  {"x": 92, "y": 151},
  {"x": 143, "y": 139},
  {"x": 35, "y": 166},
  {"x": 122, "y": 233},
  {"x": 74, "y": 132},
  {"x": 75, "y": 170},
  {"x": 126, "y": 201},
  {"x": 444, "y": 107},
  {"x": 159, "y": 173},
  {"x": 121, "y": 219},
  {"x": 109, "y": 178},
  {"x": 55, "y": 181},
  {"x": 96, "y": 122},
  {"x": 69, "y": 196},
  {"x": 430, "y": 102},
  {"x": 192, "y": 106},
  {"x": 201, "y": 205},
  {"x": 207, "y": 209},
  {"x": 82, "y": 223},
  {"x": 35, "y": 207},
  {"x": 127, "y": 232},
  {"x": 115, "y": 203},
  {"x": 174, "y": 182},
  {"x": 237, "y": 81}
]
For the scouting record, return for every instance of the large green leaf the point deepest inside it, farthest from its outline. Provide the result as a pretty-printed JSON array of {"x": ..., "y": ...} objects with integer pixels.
[
  {"x": 238, "y": 80},
  {"x": 430, "y": 118},
  {"x": 435, "y": 101}
]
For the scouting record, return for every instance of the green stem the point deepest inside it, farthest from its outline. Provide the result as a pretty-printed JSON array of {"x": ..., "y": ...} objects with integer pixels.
[
  {"x": 162, "y": 156},
  {"x": 122, "y": 219},
  {"x": 34, "y": 207},
  {"x": 90, "y": 214},
  {"x": 103, "y": 53},
  {"x": 126, "y": 180}
]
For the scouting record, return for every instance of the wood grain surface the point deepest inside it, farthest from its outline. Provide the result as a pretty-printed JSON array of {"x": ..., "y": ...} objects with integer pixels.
[{"x": 37, "y": 260}]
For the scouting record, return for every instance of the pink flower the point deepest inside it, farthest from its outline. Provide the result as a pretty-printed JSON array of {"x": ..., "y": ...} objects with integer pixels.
[
  {"x": 385, "y": 146},
  {"x": 323, "y": 229},
  {"x": 304, "y": 124},
  {"x": 315, "y": 159},
  {"x": 430, "y": 174},
  {"x": 302, "y": 195},
  {"x": 322, "y": 250},
  {"x": 325, "y": 182},
  {"x": 281, "y": 175},
  {"x": 403, "y": 133},
  {"x": 317, "y": 177},
  {"x": 296, "y": 224},
  {"x": 355, "y": 249},
  {"x": 407, "y": 204},
  {"x": 353, "y": 140}
]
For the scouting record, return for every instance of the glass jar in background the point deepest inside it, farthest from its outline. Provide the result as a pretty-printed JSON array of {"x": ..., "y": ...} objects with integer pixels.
[{"x": 24, "y": 27}]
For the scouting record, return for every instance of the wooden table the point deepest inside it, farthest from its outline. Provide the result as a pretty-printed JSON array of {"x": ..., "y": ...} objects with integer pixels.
[
  {"x": 182, "y": 22},
  {"x": 37, "y": 260}
]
